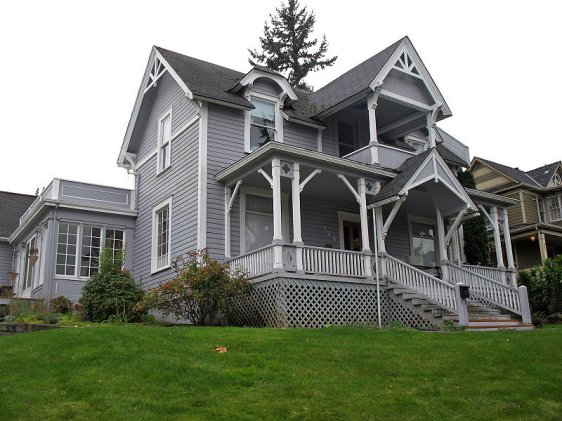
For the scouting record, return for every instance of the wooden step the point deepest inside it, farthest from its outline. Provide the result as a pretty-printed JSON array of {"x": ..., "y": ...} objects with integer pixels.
[{"x": 518, "y": 326}]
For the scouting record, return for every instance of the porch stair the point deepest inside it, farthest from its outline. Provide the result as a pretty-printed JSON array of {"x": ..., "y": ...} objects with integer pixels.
[{"x": 481, "y": 317}]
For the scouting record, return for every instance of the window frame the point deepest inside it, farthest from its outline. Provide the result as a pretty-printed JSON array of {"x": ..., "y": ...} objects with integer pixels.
[
  {"x": 28, "y": 268},
  {"x": 253, "y": 191},
  {"x": 160, "y": 146},
  {"x": 154, "y": 241},
  {"x": 556, "y": 199},
  {"x": 355, "y": 128},
  {"x": 80, "y": 242},
  {"x": 248, "y": 119},
  {"x": 425, "y": 221},
  {"x": 541, "y": 208}
]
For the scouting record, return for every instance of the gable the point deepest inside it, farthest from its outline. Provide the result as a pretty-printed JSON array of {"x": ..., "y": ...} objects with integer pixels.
[
  {"x": 405, "y": 77},
  {"x": 488, "y": 179}
]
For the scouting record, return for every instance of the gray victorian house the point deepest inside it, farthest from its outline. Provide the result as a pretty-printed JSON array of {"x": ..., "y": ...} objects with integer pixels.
[{"x": 342, "y": 203}]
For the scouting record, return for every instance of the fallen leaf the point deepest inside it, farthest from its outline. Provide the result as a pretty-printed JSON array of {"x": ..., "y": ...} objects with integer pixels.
[{"x": 221, "y": 349}]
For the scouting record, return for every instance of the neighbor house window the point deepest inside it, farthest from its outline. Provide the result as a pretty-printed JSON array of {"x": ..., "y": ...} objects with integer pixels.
[
  {"x": 557, "y": 180},
  {"x": 66, "y": 249},
  {"x": 258, "y": 228},
  {"x": 423, "y": 243},
  {"x": 542, "y": 212},
  {"x": 91, "y": 250},
  {"x": 554, "y": 208},
  {"x": 262, "y": 122},
  {"x": 346, "y": 138},
  {"x": 164, "y": 141},
  {"x": 161, "y": 229}
]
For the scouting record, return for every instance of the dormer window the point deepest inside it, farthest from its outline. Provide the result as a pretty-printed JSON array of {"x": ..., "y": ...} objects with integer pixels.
[
  {"x": 557, "y": 180},
  {"x": 262, "y": 122}
]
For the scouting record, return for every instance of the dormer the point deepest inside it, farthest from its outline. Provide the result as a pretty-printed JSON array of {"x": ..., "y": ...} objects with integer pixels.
[{"x": 268, "y": 91}]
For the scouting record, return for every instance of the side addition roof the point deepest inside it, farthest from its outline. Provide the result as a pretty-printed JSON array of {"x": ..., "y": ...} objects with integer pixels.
[
  {"x": 514, "y": 173},
  {"x": 12, "y": 207}
]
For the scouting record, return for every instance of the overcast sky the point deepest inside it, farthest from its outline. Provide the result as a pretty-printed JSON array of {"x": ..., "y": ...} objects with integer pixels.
[{"x": 70, "y": 71}]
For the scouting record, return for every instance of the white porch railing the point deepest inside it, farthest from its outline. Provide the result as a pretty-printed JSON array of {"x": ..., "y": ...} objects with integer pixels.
[
  {"x": 496, "y": 292},
  {"x": 257, "y": 262},
  {"x": 362, "y": 155},
  {"x": 333, "y": 261},
  {"x": 495, "y": 274},
  {"x": 431, "y": 287}
]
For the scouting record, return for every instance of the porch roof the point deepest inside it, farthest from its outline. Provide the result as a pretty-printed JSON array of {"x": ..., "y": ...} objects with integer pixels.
[
  {"x": 490, "y": 199},
  {"x": 319, "y": 160}
]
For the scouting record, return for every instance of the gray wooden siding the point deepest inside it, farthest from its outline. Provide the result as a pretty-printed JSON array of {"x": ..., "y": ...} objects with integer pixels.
[
  {"x": 407, "y": 86},
  {"x": 265, "y": 86},
  {"x": 6, "y": 251},
  {"x": 225, "y": 146},
  {"x": 301, "y": 136},
  {"x": 178, "y": 182},
  {"x": 168, "y": 95},
  {"x": 514, "y": 212},
  {"x": 398, "y": 239}
]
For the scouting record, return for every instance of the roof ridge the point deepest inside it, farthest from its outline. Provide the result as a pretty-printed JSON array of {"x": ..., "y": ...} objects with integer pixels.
[{"x": 18, "y": 194}]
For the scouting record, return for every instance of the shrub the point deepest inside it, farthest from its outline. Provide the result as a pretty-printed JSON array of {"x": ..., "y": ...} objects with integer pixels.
[
  {"x": 544, "y": 284},
  {"x": 110, "y": 292},
  {"x": 25, "y": 308},
  {"x": 49, "y": 318},
  {"x": 202, "y": 291},
  {"x": 61, "y": 304},
  {"x": 3, "y": 311}
]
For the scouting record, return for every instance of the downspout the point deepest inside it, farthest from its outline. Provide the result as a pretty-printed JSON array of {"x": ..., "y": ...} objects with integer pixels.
[{"x": 377, "y": 268}]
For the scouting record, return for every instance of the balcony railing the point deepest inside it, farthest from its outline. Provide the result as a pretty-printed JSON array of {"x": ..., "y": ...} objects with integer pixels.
[
  {"x": 496, "y": 274},
  {"x": 255, "y": 263}
]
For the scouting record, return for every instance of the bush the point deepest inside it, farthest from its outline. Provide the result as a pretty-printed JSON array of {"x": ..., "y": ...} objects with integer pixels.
[
  {"x": 26, "y": 308},
  {"x": 110, "y": 292},
  {"x": 61, "y": 304},
  {"x": 202, "y": 291},
  {"x": 3, "y": 311},
  {"x": 544, "y": 284},
  {"x": 49, "y": 318}
]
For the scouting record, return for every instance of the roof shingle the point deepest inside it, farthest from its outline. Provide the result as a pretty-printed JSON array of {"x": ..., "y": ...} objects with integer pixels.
[{"x": 12, "y": 207}]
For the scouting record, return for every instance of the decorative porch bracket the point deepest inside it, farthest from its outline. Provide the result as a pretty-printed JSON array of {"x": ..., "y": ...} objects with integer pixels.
[
  {"x": 307, "y": 179},
  {"x": 392, "y": 214},
  {"x": 229, "y": 197},
  {"x": 454, "y": 226},
  {"x": 266, "y": 176},
  {"x": 350, "y": 187}
]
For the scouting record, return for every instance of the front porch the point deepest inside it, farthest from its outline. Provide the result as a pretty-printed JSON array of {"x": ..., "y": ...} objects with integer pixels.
[{"x": 298, "y": 223}]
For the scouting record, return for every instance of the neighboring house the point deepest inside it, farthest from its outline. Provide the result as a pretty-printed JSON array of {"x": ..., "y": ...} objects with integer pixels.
[
  {"x": 536, "y": 221},
  {"x": 12, "y": 206},
  {"x": 301, "y": 188}
]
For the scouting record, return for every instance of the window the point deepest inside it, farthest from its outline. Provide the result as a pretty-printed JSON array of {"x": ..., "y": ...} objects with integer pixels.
[
  {"x": 423, "y": 243},
  {"x": 553, "y": 204},
  {"x": 91, "y": 249},
  {"x": 542, "y": 213},
  {"x": 557, "y": 180},
  {"x": 346, "y": 138},
  {"x": 66, "y": 249},
  {"x": 262, "y": 122},
  {"x": 164, "y": 141},
  {"x": 161, "y": 220},
  {"x": 258, "y": 228},
  {"x": 92, "y": 238}
]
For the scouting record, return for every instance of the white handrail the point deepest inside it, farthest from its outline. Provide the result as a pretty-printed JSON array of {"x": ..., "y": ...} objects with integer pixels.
[
  {"x": 429, "y": 286},
  {"x": 487, "y": 272},
  {"x": 496, "y": 292},
  {"x": 255, "y": 263},
  {"x": 327, "y": 261}
]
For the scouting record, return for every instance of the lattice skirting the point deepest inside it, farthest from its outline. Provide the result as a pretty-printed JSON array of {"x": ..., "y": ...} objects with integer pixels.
[{"x": 311, "y": 303}]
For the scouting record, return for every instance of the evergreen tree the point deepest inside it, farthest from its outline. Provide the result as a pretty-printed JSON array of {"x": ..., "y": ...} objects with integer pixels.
[
  {"x": 476, "y": 247},
  {"x": 286, "y": 46}
]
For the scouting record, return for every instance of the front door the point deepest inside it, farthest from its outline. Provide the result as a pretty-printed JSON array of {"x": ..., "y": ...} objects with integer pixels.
[{"x": 352, "y": 236}]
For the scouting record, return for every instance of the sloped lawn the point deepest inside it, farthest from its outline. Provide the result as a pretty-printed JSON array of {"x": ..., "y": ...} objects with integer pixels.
[{"x": 137, "y": 372}]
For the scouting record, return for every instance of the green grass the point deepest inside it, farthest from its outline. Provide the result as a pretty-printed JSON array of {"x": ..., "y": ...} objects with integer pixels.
[{"x": 142, "y": 372}]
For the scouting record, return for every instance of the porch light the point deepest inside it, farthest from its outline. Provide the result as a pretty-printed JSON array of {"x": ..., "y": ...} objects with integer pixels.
[{"x": 533, "y": 238}]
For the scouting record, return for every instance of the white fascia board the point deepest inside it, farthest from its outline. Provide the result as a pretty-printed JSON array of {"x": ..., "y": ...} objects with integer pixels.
[
  {"x": 154, "y": 54},
  {"x": 330, "y": 161},
  {"x": 406, "y": 44},
  {"x": 254, "y": 74}
]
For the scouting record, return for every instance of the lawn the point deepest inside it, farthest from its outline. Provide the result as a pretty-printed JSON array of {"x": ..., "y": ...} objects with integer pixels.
[{"x": 143, "y": 372}]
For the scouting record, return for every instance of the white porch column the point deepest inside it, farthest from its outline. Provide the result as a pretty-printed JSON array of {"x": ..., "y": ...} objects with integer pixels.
[
  {"x": 362, "y": 192},
  {"x": 456, "y": 248},
  {"x": 227, "y": 197},
  {"x": 297, "y": 227},
  {"x": 497, "y": 238},
  {"x": 508, "y": 248},
  {"x": 372, "y": 102},
  {"x": 461, "y": 243},
  {"x": 431, "y": 129},
  {"x": 542, "y": 246},
  {"x": 277, "y": 227},
  {"x": 441, "y": 242}
]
